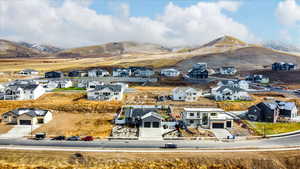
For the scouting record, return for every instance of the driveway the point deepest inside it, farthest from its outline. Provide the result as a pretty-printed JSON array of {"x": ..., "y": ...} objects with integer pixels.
[
  {"x": 19, "y": 131},
  {"x": 221, "y": 133},
  {"x": 150, "y": 133}
]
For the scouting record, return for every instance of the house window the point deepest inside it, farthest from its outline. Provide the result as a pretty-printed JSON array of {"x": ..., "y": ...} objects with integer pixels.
[
  {"x": 40, "y": 121},
  {"x": 116, "y": 93},
  {"x": 5, "y": 117},
  {"x": 213, "y": 114},
  {"x": 191, "y": 121},
  {"x": 14, "y": 117},
  {"x": 192, "y": 114}
]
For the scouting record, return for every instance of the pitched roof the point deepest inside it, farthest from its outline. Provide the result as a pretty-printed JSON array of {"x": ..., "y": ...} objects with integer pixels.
[
  {"x": 23, "y": 86},
  {"x": 232, "y": 88},
  {"x": 114, "y": 88},
  {"x": 29, "y": 111},
  {"x": 135, "y": 112},
  {"x": 154, "y": 114},
  {"x": 183, "y": 89}
]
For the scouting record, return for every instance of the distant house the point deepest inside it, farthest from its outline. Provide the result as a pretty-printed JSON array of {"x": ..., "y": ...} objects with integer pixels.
[
  {"x": 199, "y": 71},
  {"x": 77, "y": 73},
  {"x": 28, "y": 72},
  {"x": 170, "y": 72},
  {"x": 54, "y": 74},
  {"x": 222, "y": 93},
  {"x": 255, "y": 78},
  {"x": 27, "y": 116},
  {"x": 272, "y": 111},
  {"x": 228, "y": 70},
  {"x": 282, "y": 66},
  {"x": 141, "y": 71},
  {"x": 106, "y": 92},
  {"x": 210, "y": 118},
  {"x": 121, "y": 72},
  {"x": 234, "y": 83},
  {"x": 23, "y": 92},
  {"x": 52, "y": 84},
  {"x": 186, "y": 94},
  {"x": 151, "y": 120},
  {"x": 98, "y": 73}
]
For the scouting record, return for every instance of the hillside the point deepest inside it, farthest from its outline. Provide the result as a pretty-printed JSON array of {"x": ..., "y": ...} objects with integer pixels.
[
  {"x": 112, "y": 49},
  {"x": 225, "y": 41},
  {"x": 40, "y": 47},
  {"x": 9, "y": 49},
  {"x": 244, "y": 58}
]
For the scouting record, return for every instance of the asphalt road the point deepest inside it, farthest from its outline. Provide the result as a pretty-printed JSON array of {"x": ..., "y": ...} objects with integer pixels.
[{"x": 288, "y": 141}]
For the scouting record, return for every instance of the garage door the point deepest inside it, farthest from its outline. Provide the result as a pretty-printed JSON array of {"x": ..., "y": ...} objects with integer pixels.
[
  {"x": 25, "y": 122},
  {"x": 155, "y": 124},
  {"x": 218, "y": 125},
  {"x": 147, "y": 124}
]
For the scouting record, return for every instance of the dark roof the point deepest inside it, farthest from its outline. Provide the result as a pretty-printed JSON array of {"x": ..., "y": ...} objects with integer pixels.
[
  {"x": 29, "y": 70},
  {"x": 138, "y": 112},
  {"x": 29, "y": 111},
  {"x": 114, "y": 88},
  {"x": 233, "y": 88},
  {"x": 277, "y": 104},
  {"x": 23, "y": 86}
]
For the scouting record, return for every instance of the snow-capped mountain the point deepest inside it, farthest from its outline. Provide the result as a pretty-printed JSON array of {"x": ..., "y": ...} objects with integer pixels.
[
  {"x": 278, "y": 45},
  {"x": 42, "y": 48}
]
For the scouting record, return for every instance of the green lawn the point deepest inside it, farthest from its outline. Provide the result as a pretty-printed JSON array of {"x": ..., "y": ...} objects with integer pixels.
[
  {"x": 66, "y": 89},
  {"x": 274, "y": 128}
]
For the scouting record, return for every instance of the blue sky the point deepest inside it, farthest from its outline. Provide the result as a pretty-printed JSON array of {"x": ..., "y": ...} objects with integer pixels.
[{"x": 176, "y": 22}]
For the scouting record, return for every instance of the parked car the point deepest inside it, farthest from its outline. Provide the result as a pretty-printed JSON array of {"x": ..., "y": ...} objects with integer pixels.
[
  {"x": 73, "y": 138},
  {"x": 170, "y": 145},
  {"x": 40, "y": 136},
  {"x": 59, "y": 138},
  {"x": 87, "y": 138}
]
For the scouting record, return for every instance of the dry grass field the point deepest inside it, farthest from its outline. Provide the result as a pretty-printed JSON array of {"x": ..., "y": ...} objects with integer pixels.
[
  {"x": 18, "y": 159},
  {"x": 73, "y": 114}
]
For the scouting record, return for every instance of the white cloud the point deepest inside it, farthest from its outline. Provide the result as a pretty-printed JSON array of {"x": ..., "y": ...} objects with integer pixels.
[
  {"x": 288, "y": 12},
  {"x": 74, "y": 23}
]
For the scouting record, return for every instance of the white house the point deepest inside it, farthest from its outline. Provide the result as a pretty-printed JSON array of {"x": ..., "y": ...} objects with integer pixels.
[
  {"x": 227, "y": 70},
  {"x": 106, "y": 93},
  {"x": 186, "y": 94},
  {"x": 28, "y": 72},
  {"x": 52, "y": 84},
  {"x": 243, "y": 84},
  {"x": 209, "y": 118},
  {"x": 23, "y": 92},
  {"x": 121, "y": 72},
  {"x": 27, "y": 116},
  {"x": 170, "y": 72},
  {"x": 141, "y": 71},
  {"x": 98, "y": 73},
  {"x": 232, "y": 93}
]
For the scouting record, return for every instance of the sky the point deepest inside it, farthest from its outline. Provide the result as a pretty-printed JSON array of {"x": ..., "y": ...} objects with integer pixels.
[{"x": 173, "y": 23}]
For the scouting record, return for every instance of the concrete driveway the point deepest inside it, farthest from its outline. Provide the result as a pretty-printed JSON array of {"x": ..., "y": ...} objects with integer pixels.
[
  {"x": 221, "y": 133},
  {"x": 19, "y": 131}
]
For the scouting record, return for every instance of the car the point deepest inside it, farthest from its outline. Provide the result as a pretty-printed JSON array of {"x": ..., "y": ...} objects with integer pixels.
[
  {"x": 87, "y": 138},
  {"x": 40, "y": 136},
  {"x": 170, "y": 145},
  {"x": 73, "y": 138},
  {"x": 59, "y": 138}
]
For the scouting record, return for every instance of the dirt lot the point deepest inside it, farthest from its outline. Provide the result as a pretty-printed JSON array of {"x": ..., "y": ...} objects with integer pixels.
[
  {"x": 66, "y": 160},
  {"x": 73, "y": 114}
]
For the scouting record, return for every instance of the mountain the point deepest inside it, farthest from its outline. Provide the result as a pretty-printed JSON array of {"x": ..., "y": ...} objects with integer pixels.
[
  {"x": 278, "y": 45},
  {"x": 9, "y": 49},
  {"x": 225, "y": 41},
  {"x": 42, "y": 48},
  {"x": 112, "y": 49}
]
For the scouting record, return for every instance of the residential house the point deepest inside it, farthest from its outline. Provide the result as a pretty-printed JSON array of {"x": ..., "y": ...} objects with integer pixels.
[
  {"x": 151, "y": 120},
  {"x": 27, "y": 116},
  {"x": 77, "y": 73},
  {"x": 170, "y": 72},
  {"x": 28, "y": 72},
  {"x": 243, "y": 84},
  {"x": 199, "y": 71},
  {"x": 121, "y": 72},
  {"x": 141, "y": 71},
  {"x": 255, "y": 78},
  {"x": 232, "y": 93},
  {"x": 98, "y": 73},
  {"x": 282, "y": 66},
  {"x": 272, "y": 111},
  {"x": 23, "y": 92},
  {"x": 228, "y": 70},
  {"x": 65, "y": 83},
  {"x": 107, "y": 92},
  {"x": 209, "y": 118},
  {"x": 54, "y": 74},
  {"x": 186, "y": 94}
]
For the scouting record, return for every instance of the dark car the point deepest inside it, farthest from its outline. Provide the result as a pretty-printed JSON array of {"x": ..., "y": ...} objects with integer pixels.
[
  {"x": 59, "y": 138},
  {"x": 170, "y": 145},
  {"x": 40, "y": 136},
  {"x": 73, "y": 138},
  {"x": 87, "y": 138}
]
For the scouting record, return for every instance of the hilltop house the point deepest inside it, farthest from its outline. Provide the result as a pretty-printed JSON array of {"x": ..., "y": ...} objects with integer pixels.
[
  {"x": 77, "y": 73},
  {"x": 234, "y": 83},
  {"x": 121, "y": 72},
  {"x": 27, "y": 116},
  {"x": 28, "y": 72},
  {"x": 227, "y": 70},
  {"x": 106, "y": 92},
  {"x": 98, "y": 73},
  {"x": 186, "y": 94},
  {"x": 23, "y": 92},
  {"x": 272, "y": 111},
  {"x": 141, "y": 71},
  {"x": 170, "y": 72},
  {"x": 278, "y": 66},
  {"x": 257, "y": 78},
  {"x": 232, "y": 93},
  {"x": 54, "y": 74},
  {"x": 209, "y": 118},
  {"x": 52, "y": 84},
  {"x": 199, "y": 71}
]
